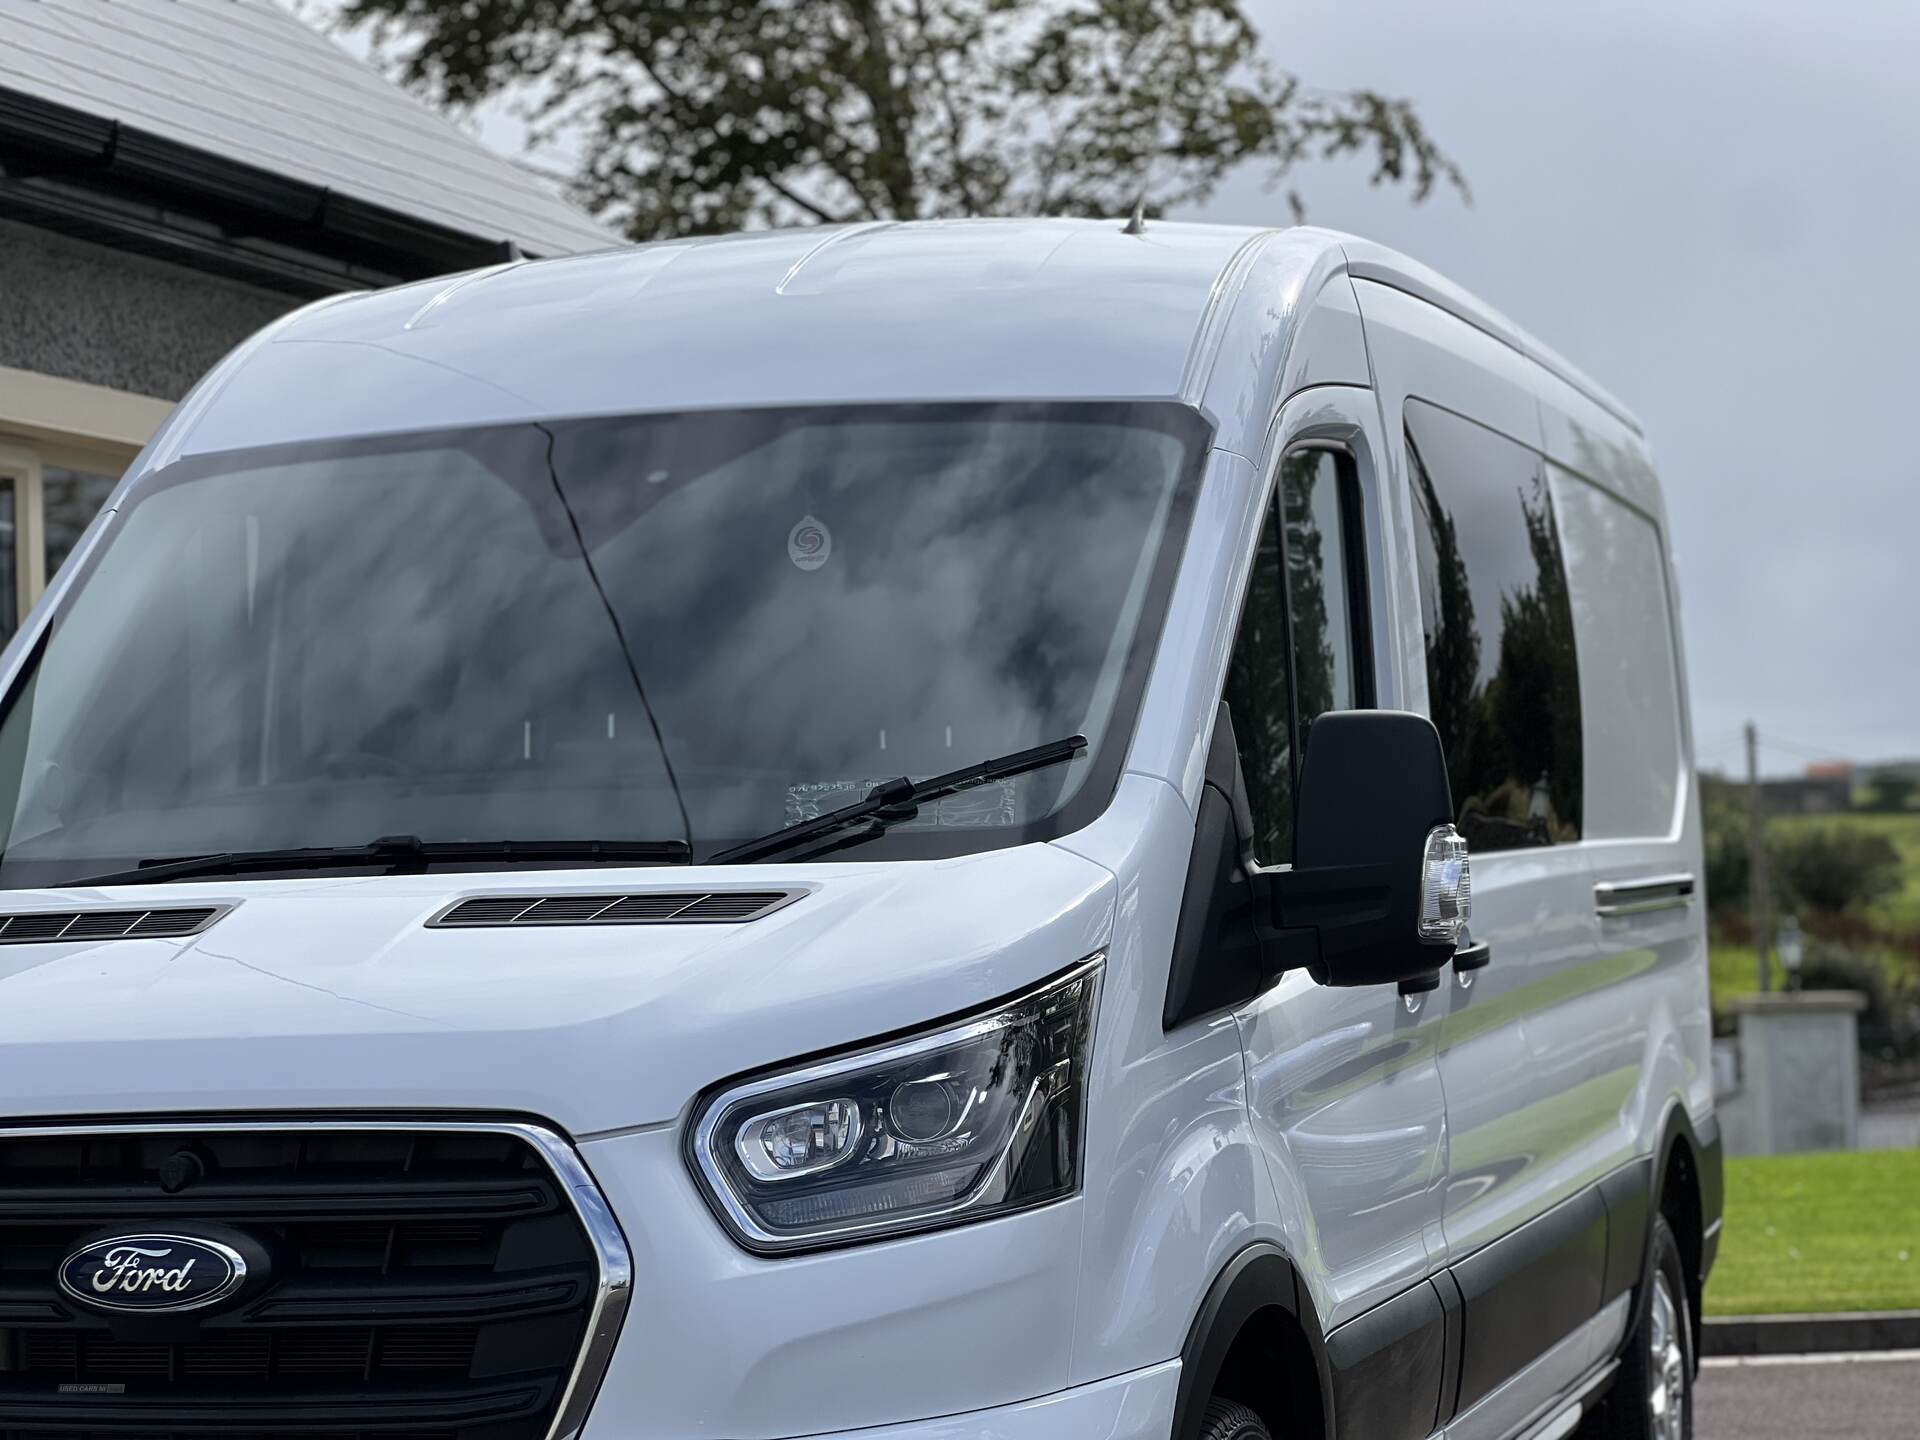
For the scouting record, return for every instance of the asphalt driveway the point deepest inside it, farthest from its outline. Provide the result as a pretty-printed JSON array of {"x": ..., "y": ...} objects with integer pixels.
[{"x": 1864, "y": 1397}]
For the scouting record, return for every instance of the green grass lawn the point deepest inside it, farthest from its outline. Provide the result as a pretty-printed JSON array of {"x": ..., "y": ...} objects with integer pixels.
[
  {"x": 1820, "y": 1233},
  {"x": 1730, "y": 972}
]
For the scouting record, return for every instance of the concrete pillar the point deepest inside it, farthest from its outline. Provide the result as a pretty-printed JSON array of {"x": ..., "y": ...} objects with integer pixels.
[{"x": 1799, "y": 1073}]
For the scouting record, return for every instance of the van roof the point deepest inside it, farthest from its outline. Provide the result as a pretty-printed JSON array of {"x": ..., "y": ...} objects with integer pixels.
[{"x": 921, "y": 311}]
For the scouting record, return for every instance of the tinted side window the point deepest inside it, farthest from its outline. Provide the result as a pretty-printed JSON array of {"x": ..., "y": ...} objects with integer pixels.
[
  {"x": 1301, "y": 649},
  {"x": 1260, "y": 700},
  {"x": 1502, "y": 674},
  {"x": 1320, "y": 496}
]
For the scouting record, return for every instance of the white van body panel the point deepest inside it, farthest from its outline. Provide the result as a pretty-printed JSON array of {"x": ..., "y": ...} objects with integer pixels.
[
  {"x": 1376, "y": 1141},
  {"x": 1181, "y": 1183},
  {"x": 595, "y": 1028}
]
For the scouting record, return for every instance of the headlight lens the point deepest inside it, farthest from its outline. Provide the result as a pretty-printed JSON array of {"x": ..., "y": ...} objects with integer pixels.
[{"x": 971, "y": 1120}]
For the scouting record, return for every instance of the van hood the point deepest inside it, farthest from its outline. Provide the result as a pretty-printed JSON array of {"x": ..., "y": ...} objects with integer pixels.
[{"x": 334, "y": 994}]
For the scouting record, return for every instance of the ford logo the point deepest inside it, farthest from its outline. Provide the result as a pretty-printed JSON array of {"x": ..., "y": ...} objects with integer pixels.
[{"x": 152, "y": 1273}]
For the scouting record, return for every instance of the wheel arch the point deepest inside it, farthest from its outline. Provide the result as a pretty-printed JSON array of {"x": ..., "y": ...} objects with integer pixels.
[
  {"x": 1256, "y": 1303},
  {"x": 1688, "y": 1191}
]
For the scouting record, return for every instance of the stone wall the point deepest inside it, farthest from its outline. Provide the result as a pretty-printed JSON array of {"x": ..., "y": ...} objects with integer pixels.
[{"x": 85, "y": 312}]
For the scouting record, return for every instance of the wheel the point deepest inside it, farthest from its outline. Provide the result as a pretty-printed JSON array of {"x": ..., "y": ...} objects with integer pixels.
[
  {"x": 1230, "y": 1420},
  {"x": 1652, "y": 1396}
]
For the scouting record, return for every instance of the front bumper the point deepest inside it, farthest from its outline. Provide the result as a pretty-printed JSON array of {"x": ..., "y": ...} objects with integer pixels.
[{"x": 1138, "y": 1406}]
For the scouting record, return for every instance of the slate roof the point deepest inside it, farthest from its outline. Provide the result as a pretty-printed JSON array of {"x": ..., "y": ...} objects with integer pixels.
[{"x": 247, "y": 81}]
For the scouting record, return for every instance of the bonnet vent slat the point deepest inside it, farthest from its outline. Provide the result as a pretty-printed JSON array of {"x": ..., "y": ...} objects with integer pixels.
[
  {"x": 128, "y": 923},
  {"x": 659, "y": 907}
]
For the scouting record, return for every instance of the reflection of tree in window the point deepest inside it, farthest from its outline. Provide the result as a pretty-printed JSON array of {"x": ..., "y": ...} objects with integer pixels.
[
  {"x": 1452, "y": 642},
  {"x": 1308, "y": 480},
  {"x": 1511, "y": 733},
  {"x": 1256, "y": 696}
]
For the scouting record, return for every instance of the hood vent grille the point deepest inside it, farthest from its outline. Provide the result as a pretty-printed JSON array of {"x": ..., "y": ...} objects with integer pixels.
[
  {"x": 658, "y": 907},
  {"x": 46, "y": 926}
]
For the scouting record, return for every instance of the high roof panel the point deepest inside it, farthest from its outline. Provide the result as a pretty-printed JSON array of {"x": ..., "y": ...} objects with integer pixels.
[
  {"x": 909, "y": 313},
  {"x": 247, "y": 81}
]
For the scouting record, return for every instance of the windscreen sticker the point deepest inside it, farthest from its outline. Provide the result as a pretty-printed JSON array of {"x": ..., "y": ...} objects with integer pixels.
[
  {"x": 809, "y": 543},
  {"x": 983, "y": 807}
]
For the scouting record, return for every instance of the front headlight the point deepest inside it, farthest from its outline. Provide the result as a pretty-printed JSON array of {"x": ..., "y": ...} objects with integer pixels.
[{"x": 973, "y": 1119}]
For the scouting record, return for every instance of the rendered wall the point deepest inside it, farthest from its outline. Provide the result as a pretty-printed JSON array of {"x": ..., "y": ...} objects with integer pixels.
[{"x": 84, "y": 312}]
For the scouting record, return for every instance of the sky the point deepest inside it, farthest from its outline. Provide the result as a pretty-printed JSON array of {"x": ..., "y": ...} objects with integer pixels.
[{"x": 1713, "y": 209}]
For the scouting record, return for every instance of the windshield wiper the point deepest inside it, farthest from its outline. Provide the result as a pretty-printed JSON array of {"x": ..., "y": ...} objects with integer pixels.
[
  {"x": 895, "y": 800},
  {"x": 398, "y": 854}
]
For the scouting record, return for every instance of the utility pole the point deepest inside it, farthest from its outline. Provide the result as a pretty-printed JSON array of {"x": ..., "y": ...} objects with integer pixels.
[{"x": 1757, "y": 860}]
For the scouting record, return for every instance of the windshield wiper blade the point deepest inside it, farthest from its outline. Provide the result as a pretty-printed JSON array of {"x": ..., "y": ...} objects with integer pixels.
[
  {"x": 401, "y": 853},
  {"x": 895, "y": 800}
]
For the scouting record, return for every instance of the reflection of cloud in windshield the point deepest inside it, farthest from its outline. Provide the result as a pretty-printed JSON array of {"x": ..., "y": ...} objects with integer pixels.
[{"x": 967, "y": 607}]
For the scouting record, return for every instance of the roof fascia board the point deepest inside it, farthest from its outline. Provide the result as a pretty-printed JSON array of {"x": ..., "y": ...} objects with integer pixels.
[{"x": 110, "y": 164}]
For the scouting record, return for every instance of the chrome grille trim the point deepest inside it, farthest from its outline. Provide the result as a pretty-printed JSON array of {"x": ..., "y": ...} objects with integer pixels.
[
  {"x": 614, "y": 1261},
  {"x": 632, "y": 907}
]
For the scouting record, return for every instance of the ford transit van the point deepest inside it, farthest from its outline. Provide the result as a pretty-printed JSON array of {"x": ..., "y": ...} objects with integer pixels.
[{"x": 1020, "y": 830}]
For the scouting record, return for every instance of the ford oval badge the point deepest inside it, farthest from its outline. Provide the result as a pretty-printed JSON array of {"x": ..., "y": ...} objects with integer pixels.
[{"x": 152, "y": 1273}]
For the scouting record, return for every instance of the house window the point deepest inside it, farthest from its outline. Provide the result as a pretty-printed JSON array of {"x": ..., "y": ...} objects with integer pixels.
[
  {"x": 70, "y": 499},
  {"x": 49, "y": 493}
]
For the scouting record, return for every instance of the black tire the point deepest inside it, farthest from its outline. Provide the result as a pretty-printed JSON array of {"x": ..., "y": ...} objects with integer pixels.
[
  {"x": 1655, "y": 1379},
  {"x": 1230, "y": 1420}
]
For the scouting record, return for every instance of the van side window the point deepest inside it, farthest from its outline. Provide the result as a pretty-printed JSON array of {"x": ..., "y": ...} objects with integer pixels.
[
  {"x": 1617, "y": 571},
  {"x": 1502, "y": 675},
  {"x": 1301, "y": 650}
]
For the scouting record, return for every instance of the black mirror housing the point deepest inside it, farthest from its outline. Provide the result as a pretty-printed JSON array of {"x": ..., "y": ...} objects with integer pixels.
[{"x": 1373, "y": 786}]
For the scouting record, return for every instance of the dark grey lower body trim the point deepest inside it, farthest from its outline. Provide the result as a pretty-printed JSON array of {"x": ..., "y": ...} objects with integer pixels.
[
  {"x": 1529, "y": 1290},
  {"x": 1388, "y": 1366}
]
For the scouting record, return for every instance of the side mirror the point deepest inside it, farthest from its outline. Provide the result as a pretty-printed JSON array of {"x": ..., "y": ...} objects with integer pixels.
[
  {"x": 1379, "y": 873},
  {"x": 1379, "y": 888}
]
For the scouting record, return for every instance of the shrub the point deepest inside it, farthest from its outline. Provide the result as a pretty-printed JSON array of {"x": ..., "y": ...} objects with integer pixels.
[
  {"x": 1834, "y": 869},
  {"x": 1890, "y": 1025}
]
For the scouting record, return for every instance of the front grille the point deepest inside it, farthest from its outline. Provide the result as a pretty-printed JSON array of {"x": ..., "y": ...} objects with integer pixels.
[
  {"x": 657, "y": 907},
  {"x": 435, "y": 1283}
]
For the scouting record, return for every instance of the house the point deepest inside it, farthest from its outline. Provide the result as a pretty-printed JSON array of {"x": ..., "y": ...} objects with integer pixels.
[
  {"x": 1825, "y": 789},
  {"x": 173, "y": 175}
]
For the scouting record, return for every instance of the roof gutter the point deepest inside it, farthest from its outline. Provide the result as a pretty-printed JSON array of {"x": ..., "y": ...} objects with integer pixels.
[{"x": 63, "y": 169}]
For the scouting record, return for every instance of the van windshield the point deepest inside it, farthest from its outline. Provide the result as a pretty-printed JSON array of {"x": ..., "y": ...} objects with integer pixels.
[{"x": 613, "y": 629}]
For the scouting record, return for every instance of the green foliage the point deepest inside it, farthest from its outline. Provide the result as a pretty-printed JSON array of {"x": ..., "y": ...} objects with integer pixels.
[
  {"x": 1820, "y": 1234},
  {"x": 1893, "y": 792},
  {"x": 1724, "y": 813},
  {"x": 1835, "y": 869},
  {"x": 708, "y": 115},
  {"x": 1890, "y": 1025},
  {"x": 1896, "y": 915}
]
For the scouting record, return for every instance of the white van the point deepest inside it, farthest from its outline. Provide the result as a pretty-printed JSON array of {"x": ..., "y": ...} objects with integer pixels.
[{"x": 1009, "y": 830}]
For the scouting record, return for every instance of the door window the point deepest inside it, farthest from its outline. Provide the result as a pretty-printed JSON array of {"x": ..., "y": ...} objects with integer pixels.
[
  {"x": 1503, "y": 681},
  {"x": 1301, "y": 649}
]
